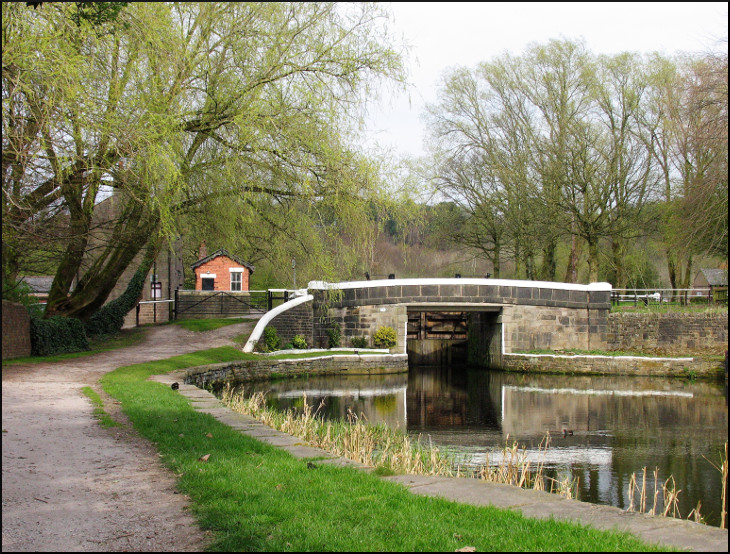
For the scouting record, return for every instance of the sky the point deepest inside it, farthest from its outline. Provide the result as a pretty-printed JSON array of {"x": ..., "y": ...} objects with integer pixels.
[{"x": 443, "y": 35}]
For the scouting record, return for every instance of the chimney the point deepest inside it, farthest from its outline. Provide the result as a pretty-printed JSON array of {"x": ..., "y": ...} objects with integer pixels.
[{"x": 203, "y": 251}]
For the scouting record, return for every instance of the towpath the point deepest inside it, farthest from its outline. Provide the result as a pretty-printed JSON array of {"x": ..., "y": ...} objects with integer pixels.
[{"x": 70, "y": 485}]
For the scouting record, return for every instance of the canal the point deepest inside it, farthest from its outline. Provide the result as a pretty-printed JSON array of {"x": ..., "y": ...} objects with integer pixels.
[{"x": 602, "y": 429}]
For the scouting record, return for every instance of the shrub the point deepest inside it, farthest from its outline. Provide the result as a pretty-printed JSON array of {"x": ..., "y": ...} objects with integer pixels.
[
  {"x": 109, "y": 319},
  {"x": 299, "y": 342},
  {"x": 57, "y": 335},
  {"x": 271, "y": 339},
  {"x": 359, "y": 342},
  {"x": 334, "y": 335},
  {"x": 385, "y": 337}
]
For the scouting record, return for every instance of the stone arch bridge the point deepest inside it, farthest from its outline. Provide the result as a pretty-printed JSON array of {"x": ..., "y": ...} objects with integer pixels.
[{"x": 443, "y": 320}]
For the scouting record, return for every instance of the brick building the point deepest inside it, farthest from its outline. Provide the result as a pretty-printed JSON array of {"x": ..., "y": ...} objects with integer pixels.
[{"x": 222, "y": 272}]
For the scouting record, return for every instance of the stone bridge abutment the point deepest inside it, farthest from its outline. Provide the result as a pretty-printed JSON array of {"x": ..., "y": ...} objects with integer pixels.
[{"x": 477, "y": 319}]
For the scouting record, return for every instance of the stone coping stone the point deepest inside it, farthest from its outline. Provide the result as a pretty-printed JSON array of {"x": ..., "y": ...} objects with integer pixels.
[
  {"x": 601, "y": 357},
  {"x": 669, "y": 531}
]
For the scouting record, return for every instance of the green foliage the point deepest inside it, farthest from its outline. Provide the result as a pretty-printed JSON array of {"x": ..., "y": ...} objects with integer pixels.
[
  {"x": 385, "y": 337},
  {"x": 110, "y": 318},
  {"x": 56, "y": 335},
  {"x": 299, "y": 342},
  {"x": 257, "y": 100},
  {"x": 271, "y": 339},
  {"x": 21, "y": 293},
  {"x": 359, "y": 342},
  {"x": 334, "y": 335}
]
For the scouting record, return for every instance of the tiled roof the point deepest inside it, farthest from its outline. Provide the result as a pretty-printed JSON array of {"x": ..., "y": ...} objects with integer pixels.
[
  {"x": 223, "y": 252},
  {"x": 715, "y": 277},
  {"x": 40, "y": 284}
]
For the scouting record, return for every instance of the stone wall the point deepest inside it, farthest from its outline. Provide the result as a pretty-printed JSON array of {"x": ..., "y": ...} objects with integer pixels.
[
  {"x": 264, "y": 369},
  {"x": 553, "y": 328},
  {"x": 296, "y": 321},
  {"x": 16, "y": 330},
  {"x": 613, "y": 365},
  {"x": 360, "y": 322},
  {"x": 670, "y": 333}
]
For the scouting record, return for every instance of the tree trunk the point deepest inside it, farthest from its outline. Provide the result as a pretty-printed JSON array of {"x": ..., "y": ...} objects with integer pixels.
[
  {"x": 592, "y": 260},
  {"x": 618, "y": 253}
]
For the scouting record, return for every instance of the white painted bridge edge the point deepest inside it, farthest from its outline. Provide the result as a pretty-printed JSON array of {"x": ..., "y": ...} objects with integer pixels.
[
  {"x": 323, "y": 285},
  {"x": 271, "y": 314}
]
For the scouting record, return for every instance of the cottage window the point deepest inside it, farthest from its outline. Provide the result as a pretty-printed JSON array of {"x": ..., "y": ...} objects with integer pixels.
[{"x": 236, "y": 281}]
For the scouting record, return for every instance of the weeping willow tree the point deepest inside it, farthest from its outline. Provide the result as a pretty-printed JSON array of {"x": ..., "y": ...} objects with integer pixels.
[{"x": 232, "y": 113}]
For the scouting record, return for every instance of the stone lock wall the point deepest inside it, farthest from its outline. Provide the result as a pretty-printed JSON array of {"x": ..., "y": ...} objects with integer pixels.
[
  {"x": 16, "y": 330},
  {"x": 668, "y": 333},
  {"x": 360, "y": 322},
  {"x": 554, "y": 328}
]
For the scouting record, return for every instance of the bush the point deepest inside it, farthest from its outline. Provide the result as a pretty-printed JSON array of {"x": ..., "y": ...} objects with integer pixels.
[
  {"x": 299, "y": 342},
  {"x": 334, "y": 335},
  {"x": 359, "y": 342},
  {"x": 109, "y": 319},
  {"x": 385, "y": 337},
  {"x": 271, "y": 339},
  {"x": 57, "y": 335}
]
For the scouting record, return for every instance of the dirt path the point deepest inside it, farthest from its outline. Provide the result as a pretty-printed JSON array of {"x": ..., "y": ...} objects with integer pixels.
[{"x": 70, "y": 485}]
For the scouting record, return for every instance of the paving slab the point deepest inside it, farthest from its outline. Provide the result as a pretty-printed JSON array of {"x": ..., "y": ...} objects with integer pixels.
[{"x": 668, "y": 531}]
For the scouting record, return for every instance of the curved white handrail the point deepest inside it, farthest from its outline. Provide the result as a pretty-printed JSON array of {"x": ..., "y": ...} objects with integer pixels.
[{"x": 268, "y": 316}]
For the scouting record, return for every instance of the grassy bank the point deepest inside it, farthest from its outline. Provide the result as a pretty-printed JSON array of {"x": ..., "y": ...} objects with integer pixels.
[{"x": 253, "y": 497}]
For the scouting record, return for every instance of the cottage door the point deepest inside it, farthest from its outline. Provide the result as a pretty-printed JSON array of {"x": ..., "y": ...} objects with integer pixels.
[{"x": 208, "y": 283}]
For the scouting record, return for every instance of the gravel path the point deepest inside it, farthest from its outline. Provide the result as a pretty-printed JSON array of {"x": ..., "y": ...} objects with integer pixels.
[{"x": 70, "y": 485}]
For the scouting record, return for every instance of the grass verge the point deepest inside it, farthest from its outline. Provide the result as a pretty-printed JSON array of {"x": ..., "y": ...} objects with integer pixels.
[
  {"x": 255, "y": 497},
  {"x": 104, "y": 418}
]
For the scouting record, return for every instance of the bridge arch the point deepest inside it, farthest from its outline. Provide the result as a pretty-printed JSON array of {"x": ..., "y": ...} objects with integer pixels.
[{"x": 503, "y": 315}]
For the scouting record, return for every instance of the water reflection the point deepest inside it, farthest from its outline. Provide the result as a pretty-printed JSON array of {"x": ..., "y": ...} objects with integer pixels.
[{"x": 602, "y": 429}]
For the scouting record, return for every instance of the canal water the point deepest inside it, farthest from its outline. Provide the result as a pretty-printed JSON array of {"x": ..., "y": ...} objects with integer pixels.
[{"x": 602, "y": 428}]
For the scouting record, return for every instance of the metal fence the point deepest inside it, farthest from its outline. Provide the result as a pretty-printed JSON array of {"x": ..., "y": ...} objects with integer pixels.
[
  {"x": 193, "y": 304},
  {"x": 646, "y": 297}
]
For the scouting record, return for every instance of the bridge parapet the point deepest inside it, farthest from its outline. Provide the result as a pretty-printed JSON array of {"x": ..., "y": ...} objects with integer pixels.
[
  {"x": 468, "y": 291},
  {"x": 532, "y": 314}
]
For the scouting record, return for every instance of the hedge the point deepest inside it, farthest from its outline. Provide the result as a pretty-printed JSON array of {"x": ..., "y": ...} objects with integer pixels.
[{"x": 57, "y": 335}]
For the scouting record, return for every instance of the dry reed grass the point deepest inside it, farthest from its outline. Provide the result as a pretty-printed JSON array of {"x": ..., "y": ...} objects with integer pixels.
[
  {"x": 666, "y": 495},
  {"x": 380, "y": 446}
]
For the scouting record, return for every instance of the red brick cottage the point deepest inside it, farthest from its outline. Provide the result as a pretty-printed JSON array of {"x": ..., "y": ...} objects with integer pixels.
[{"x": 221, "y": 271}]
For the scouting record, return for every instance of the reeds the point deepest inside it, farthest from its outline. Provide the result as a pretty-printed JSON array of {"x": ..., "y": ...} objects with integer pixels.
[
  {"x": 380, "y": 446},
  {"x": 669, "y": 494},
  {"x": 722, "y": 467}
]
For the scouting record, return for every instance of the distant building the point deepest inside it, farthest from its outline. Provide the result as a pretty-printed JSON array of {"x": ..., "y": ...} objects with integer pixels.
[
  {"x": 713, "y": 279},
  {"x": 39, "y": 285},
  {"x": 222, "y": 271}
]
